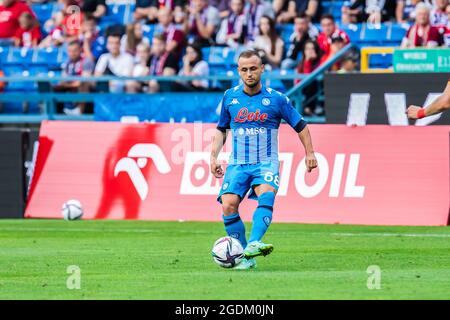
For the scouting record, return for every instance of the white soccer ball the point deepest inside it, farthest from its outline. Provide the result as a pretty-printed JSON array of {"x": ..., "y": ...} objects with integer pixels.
[
  {"x": 72, "y": 210},
  {"x": 227, "y": 252}
]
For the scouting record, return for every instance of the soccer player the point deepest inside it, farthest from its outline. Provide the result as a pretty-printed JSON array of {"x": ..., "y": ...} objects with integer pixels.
[
  {"x": 253, "y": 113},
  {"x": 442, "y": 103}
]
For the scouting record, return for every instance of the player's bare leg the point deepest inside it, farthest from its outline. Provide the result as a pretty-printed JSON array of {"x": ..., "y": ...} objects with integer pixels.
[{"x": 266, "y": 197}]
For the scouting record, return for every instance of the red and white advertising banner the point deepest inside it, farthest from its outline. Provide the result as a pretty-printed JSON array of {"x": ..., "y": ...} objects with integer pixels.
[{"x": 380, "y": 175}]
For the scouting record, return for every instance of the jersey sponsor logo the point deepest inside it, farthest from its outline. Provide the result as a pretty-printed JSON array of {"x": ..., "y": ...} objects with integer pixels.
[
  {"x": 251, "y": 131},
  {"x": 143, "y": 152},
  {"x": 234, "y": 101},
  {"x": 245, "y": 116}
]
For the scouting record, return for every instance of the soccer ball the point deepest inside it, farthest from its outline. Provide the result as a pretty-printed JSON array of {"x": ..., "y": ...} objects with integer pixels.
[
  {"x": 72, "y": 210},
  {"x": 227, "y": 252}
]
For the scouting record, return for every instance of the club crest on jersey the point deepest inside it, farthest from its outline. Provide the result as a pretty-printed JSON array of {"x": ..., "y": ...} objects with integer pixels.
[
  {"x": 244, "y": 115},
  {"x": 265, "y": 102}
]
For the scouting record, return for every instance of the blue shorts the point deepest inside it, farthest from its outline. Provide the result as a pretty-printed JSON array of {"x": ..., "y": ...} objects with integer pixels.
[{"x": 240, "y": 178}]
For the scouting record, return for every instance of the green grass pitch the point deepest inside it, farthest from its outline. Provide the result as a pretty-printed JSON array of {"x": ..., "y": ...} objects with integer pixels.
[{"x": 172, "y": 260}]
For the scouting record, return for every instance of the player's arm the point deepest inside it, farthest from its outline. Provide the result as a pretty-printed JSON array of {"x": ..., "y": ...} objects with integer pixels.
[
  {"x": 305, "y": 138},
  {"x": 219, "y": 139},
  {"x": 442, "y": 103},
  {"x": 295, "y": 120}
]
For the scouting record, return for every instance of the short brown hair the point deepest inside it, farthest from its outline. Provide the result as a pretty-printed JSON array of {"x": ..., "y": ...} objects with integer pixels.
[{"x": 249, "y": 53}]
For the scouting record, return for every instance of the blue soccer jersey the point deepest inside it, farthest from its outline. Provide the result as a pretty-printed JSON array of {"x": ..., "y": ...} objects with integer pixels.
[{"x": 254, "y": 122}]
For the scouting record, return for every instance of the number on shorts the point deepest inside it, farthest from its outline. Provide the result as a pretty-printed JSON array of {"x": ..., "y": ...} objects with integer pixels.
[{"x": 269, "y": 177}]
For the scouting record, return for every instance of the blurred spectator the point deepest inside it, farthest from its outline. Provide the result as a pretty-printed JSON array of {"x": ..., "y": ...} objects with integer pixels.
[
  {"x": 140, "y": 69},
  {"x": 10, "y": 12},
  {"x": 329, "y": 31},
  {"x": 2, "y": 84},
  {"x": 193, "y": 65},
  {"x": 302, "y": 33},
  {"x": 287, "y": 10},
  {"x": 114, "y": 63},
  {"x": 232, "y": 28},
  {"x": 311, "y": 59},
  {"x": 162, "y": 63},
  {"x": 202, "y": 22},
  {"x": 447, "y": 30},
  {"x": 353, "y": 11},
  {"x": 378, "y": 11},
  {"x": 223, "y": 6},
  {"x": 76, "y": 65},
  {"x": 94, "y": 45},
  {"x": 348, "y": 63},
  {"x": 132, "y": 38},
  {"x": 438, "y": 15},
  {"x": 337, "y": 43},
  {"x": 55, "y": 37},
  {"x": 29, "y": 34},
  {"x": 72, "y": 20},
  {"x": 145, "y": 10},
  {"x": 96, "y": 8},
  {"x": 268, "y": 43},
  {"x": 254, "y": 10},
  {"x": 65, "y": 25},
  {"x": 406, "y": 10},
  {"x": 148, "y": 9},
  {"x": 422, "y": 33},
  {"x": 175, "y": 38},
  {"x": 180, "y": 11}
]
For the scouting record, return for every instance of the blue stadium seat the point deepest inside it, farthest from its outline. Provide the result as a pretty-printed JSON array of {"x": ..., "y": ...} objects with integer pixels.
[
  {"x": 397, "y": 33},
  {"x": 223, "y": 56},
  {"x": 48, "y": 56},
  {"x": 353, "y": 31},
  {"x": 18, "y": 86},
  {"x": 38, "y": 70},
  {"x": 43, "y": 11},
  {"x": 22, "y": 56},
  {"x": 286, "y": 31},
  {"x": 375, "y": 34},
  {"x": 3, "y": 54},
  {"x": 148, "y": 31},
  {"x": 115, "y": 13}
]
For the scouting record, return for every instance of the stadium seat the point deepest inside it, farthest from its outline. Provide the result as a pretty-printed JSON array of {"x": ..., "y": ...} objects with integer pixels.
[
  {"x": 48, "y": 56},
  {"x": 223, "y": 56},
  {"x": 374, "y": 33},
  {"x": 115, "y": 13},
  {"x": 38, "y": 70},
  {"x": 3, "y": 54},
  {"x": 285, "y": 32},
  {"x": 148, "y": 31},
  {"x": 353, "y": 31},
  {"x": 43, "y": 11},
  {"x": 397, "y": 32},
  {"x": 18, "y": 86},
  {"x": 22, "y": 56}
]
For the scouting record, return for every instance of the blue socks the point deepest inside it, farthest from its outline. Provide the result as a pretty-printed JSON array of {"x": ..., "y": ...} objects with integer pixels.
[
  {"x": 262, "y": 216},
  {"x": 235, "y": 227}
]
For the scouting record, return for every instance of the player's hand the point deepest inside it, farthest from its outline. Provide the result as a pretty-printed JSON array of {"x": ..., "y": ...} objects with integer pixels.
[
  {"x": 412, "y": 111},
  {"x": 216, "y": 169},
  {"x": 311, "y": 162}
]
